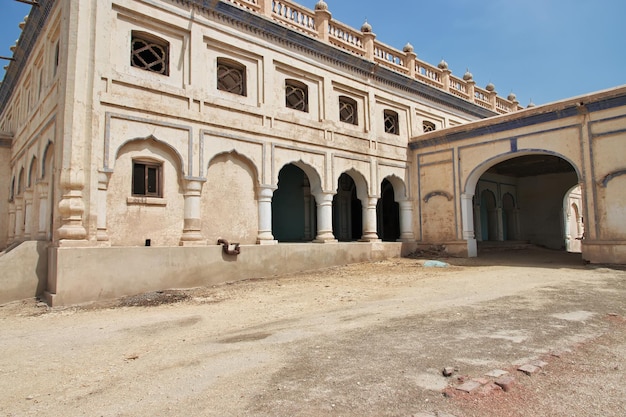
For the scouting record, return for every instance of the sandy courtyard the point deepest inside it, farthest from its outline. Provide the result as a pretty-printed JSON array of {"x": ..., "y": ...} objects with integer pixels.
[{"x": 358, "y": 340}]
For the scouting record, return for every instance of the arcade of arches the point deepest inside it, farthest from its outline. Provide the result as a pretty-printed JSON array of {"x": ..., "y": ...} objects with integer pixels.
[{"x": 294, "y": 210}]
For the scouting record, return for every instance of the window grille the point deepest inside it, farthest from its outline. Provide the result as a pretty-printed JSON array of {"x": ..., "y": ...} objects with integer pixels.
[
  {"x": 231, "y": 77},
  {"x": 348, "y": 110},
  {"x": 296, "y": 95},
  {"x": 391, "y": 122},
  {"x": 149, "y": 53}
]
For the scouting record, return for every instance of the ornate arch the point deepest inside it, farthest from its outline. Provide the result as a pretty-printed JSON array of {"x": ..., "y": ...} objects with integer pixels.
[{"x": 164, "y": 145}]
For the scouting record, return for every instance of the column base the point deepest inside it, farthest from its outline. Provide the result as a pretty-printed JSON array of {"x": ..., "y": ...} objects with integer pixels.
[
  {"x": 201, "y": 242},
  {"x": 266, "y": 242},
  {"x": 325, "y": 241}
]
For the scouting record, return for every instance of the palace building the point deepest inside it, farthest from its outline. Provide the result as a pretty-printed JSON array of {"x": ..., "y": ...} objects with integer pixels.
[{"x": 153, "y": 144}]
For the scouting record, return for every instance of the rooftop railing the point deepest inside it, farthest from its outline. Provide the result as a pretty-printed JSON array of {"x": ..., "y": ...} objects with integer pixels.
[{"x": 319, "y": 24}]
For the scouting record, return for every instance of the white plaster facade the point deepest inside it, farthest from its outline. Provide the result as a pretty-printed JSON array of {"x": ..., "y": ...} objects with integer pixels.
[{"x": 83, "y": 118}]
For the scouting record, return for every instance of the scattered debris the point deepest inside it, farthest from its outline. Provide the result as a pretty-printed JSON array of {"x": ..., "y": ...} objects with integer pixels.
[
  {"x": 155, "y": 298},
  {"x": 529, "y": 369},
  {"x": 448, "y": 371},
  {"x": 505, "y": 382}
]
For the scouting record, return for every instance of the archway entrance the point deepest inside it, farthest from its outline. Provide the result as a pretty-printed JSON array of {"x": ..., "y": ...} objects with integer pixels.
[
  {"x": 522, "y": 199},
  {"x": 293, "y": 207},
  {"x": 388, "y": 213},
  {"x": 347, "y": 211},
  {"x": 573, "y": 220}
]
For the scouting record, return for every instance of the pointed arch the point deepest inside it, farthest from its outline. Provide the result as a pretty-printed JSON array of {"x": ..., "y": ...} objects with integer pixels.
[
  {"x": 315, "y": 179},
  {"x": 240, "y": 156},
  {"x": 360, "y": 182},
  {"x": 153, "y": 141},
  {"x": 399, "y": 187},
  {"x": 46, "y": 158}
]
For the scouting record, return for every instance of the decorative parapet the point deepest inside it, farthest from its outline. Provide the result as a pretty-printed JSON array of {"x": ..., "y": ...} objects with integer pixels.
[{"x": 319, "y": 24}]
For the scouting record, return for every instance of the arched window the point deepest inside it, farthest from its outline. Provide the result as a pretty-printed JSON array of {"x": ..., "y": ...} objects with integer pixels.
[
  {"x": 32, "y": 173},
  {"x": 20, "y": 182},
  {"x": 12, "y": 190},
  {"x": 149, "y": 52},
  {"x": 348, "y": 110},
  {"x": 231, "y": 76},
  {"x": 296, "y": 95},
  {"x": 391, "y": 122}
]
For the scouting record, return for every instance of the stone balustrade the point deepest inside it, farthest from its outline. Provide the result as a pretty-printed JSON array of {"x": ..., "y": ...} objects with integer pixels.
[{"x": 318, "y": 23}]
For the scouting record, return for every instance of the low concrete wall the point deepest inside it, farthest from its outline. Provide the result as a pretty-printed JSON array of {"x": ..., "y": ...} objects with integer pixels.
[
  {"x": 80, "y": 275},
  {"x": 23, "y": 271},
  {"x": 604, "y": 252}
]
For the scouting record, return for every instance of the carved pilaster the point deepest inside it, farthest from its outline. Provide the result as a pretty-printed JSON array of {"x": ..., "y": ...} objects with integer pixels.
[
  {"x": 103, "y": 185},
  {"x": 42, "y": 224},
  {"x": 71, "y": 206}
]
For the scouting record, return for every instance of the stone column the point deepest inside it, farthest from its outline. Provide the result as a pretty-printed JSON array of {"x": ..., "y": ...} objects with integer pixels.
[
  {"x": 28, "y": 213},
  {"x": 325, "y": 218},
  {"x": 467, "y": 214},
  {"x": 265, "y": 194},
  {"x": 192, "y": 228},
  {"x": 42, "y": 191},
  {"x": 406, "y": 221},
  {"x": 370, "y": 221},
  {"x": 103, "y": 185}
]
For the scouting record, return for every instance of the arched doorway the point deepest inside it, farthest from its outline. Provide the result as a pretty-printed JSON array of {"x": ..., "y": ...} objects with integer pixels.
[
  {"x": 388, "y": 213},
  {"x": 347, "y": 211},
  {"x": 528, "y": 191},
  {"x": 573, "y": 220},
  {"x": 293, "y": 207}
]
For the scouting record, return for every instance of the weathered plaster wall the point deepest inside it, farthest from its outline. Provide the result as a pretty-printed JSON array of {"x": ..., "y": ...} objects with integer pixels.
[
  {"x": 541, "y": 212},
  {"x": 227, "y": 212},
  {"x": 23, "y": 271}
]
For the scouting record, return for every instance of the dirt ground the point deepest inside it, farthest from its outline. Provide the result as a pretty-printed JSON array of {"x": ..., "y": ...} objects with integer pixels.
[{"x": 359, "y": 340}]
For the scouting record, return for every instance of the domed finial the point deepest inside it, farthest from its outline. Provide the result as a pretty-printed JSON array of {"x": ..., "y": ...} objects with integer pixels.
[
  {"x": 443, "y": 65},
  {"x": 531, "y": 104},
  {"x": 490, "y": 87},
  {"x": 408, "y": 48},
  {"x": 468, "y": 75},
  {"x": 512, "y": 97},
  {"x": 366, "y": 28},
  {"x": 321, "y": 5}
]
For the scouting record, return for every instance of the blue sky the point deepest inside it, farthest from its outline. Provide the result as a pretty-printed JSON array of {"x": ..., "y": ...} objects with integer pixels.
[{"x": 542, "y": 50}]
